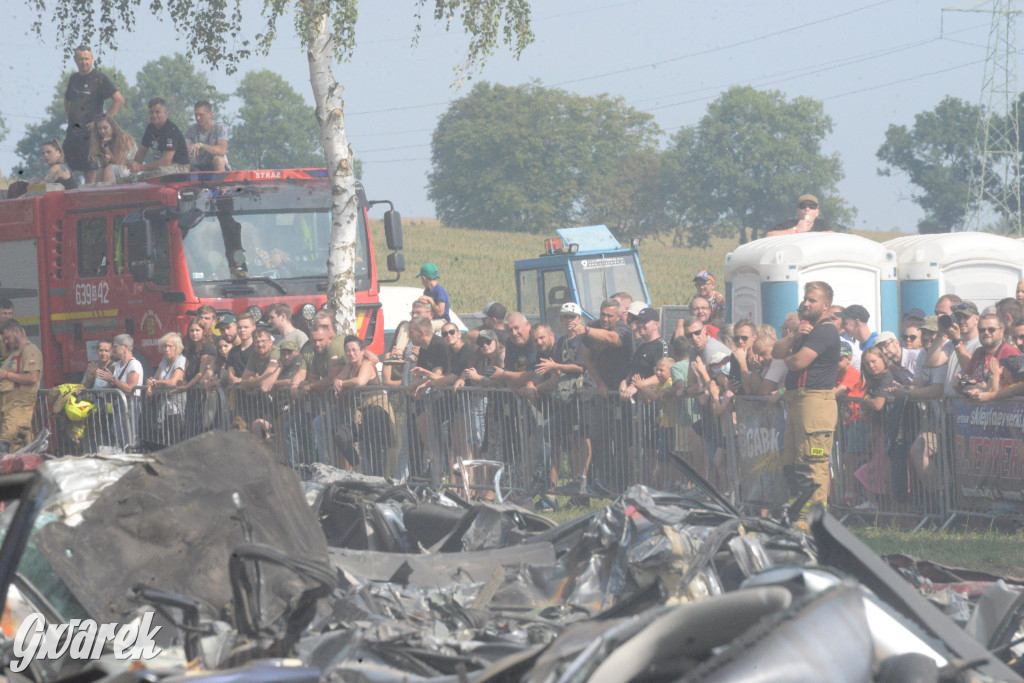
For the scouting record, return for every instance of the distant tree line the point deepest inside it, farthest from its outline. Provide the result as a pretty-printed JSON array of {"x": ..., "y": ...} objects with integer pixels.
[
  {"x": 272, "y": 127},
  {"x": 529, "y": 158}
]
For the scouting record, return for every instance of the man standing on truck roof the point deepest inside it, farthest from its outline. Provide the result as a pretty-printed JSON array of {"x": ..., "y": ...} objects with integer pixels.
[
  {"x": 806, "y": 219},
  {"x": 19, "y": 382},
  {"x": 434, "y": 293},
  {"x": 83, "y": 103}
]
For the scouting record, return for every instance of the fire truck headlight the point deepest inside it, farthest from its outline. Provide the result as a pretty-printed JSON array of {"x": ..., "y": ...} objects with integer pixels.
[
  {"x": 308, "y": 311},
  {"x": 255, "y": 312}
]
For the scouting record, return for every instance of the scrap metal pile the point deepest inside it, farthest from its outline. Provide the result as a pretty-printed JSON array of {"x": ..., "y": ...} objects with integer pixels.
[{"x": 256, "y": 576}]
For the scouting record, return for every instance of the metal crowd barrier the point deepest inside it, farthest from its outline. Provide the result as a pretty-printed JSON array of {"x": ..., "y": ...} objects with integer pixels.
[{"x": 923, "y": 461}]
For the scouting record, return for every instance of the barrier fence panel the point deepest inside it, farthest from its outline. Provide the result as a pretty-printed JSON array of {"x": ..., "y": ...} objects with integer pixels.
[
  {"x": 755, "y": 454},
  {"x": 892, "y": 462},
  {"x": 913, "y": 459},
  {"x": 356, "y": 429},
  {"x": 988, "y": 457}
]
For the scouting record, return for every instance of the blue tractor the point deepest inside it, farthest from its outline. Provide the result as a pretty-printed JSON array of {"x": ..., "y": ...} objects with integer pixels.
[{"x": 582, "y": 265}]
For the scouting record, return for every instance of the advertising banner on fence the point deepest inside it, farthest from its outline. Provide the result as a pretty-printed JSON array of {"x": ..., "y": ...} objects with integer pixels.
[
  {"x": 759, "y": 428},
  {"x": 988, "y": 457}
]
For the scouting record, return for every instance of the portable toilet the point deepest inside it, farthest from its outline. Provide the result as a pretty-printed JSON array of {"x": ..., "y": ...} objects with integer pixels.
[
  {"x": 978, "y": 266},
  {"x": 764, "y": 279}
]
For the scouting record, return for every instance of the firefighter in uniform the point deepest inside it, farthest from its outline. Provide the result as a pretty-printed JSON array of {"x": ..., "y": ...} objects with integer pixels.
[
  {"x": 812, "y": 358},
  {"x": 19, "y": 382}
]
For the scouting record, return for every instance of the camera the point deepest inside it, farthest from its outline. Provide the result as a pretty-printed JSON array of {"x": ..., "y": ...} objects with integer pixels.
[{"x": 945, "y": 321}]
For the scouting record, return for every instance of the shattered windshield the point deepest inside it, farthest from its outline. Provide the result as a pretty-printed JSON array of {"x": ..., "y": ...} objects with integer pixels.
[
  {"x": 598, "y": 277},
  {"x": 283, "y": 232}
]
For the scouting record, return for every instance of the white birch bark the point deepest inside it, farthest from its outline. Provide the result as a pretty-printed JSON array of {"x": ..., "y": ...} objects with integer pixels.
[{"x": 330, "y": 113}]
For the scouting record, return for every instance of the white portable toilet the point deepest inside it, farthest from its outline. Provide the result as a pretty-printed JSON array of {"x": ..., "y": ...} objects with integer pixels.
[
  {"x": 764, "y": 279},
  {"x": 976, "y": 266}
]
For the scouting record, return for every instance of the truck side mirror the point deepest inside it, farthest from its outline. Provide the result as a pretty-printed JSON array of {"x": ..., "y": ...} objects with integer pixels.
[
  {"x": 139, "y": 234},
  {"x": 396, "y": 262},
  {"x": 393, "y": 233}
]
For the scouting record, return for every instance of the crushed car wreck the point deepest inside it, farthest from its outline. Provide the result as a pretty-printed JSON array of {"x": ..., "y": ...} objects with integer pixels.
[{"x": 254, "y": 575}]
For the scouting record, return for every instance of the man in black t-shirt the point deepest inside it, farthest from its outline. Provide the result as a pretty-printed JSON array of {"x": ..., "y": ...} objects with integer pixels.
[
  {"x": 520, "y": 352},
  {"x": 607, "y": 351},
  {"x": 653, "y": 347},
  {"x": 812, "y": 358},
  {"x": 607, "y": 347},
  {"x": 83, "y": 103},
  {"x": 166, "y": 141}
]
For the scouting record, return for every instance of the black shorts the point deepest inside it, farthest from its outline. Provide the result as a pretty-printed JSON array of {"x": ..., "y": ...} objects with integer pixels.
[{"x": 76, "y": 153}]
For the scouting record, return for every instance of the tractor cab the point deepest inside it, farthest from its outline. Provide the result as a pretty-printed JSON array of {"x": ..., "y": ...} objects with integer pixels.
[{"x": 581, "y": 265}]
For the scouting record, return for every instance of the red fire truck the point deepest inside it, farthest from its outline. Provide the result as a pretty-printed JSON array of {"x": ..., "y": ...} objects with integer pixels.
[{"x": 87, "y": 264}]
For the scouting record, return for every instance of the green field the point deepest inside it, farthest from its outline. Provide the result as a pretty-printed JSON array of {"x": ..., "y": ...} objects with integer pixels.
[{"x": 477, "y": 266}]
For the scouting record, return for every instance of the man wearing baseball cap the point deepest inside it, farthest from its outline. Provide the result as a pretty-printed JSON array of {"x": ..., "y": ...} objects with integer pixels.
[
  {"x": 492, "y": 317},
  {"x": 854, "y": 320},
  {"x": 652, "y": 348},
  {"x": 704, "y": 281},
  {"x": 434, "y": 293},
  {"x": 806, "y": 219}
]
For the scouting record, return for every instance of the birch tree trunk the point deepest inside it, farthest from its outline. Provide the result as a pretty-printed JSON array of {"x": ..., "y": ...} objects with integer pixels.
[{"x": 330, "y": 113}]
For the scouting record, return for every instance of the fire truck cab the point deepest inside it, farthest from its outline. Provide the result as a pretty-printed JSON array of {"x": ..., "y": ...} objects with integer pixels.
[{"x": 88, "y": 264}]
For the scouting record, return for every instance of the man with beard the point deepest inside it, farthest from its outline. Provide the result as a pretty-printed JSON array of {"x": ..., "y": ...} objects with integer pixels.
[
  {"x": 607, "y": 350},
  {"x": 19, "y": 382},
  {"x": 993, "y": 347},
  {"x": 812, "y": 358},
  {"x": 956, "y": 340}
]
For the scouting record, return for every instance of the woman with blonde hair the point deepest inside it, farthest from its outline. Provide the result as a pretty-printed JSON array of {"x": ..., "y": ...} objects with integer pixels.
[
  {"x": 169, "y": 408},
  {"x": 110, "y": 149}
]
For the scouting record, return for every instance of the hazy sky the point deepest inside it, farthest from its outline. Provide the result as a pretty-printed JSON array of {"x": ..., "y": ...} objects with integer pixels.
[{"x": 872, "y": 63}]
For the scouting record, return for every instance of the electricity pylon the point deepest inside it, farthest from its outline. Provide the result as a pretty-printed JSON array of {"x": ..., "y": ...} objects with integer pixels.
[{"x": 995, "y": 191}]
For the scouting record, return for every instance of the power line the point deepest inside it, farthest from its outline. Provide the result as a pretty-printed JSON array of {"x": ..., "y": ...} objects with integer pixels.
[{"x": 729, "y": 46}]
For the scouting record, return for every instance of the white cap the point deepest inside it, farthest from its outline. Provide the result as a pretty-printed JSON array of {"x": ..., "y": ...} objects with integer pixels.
[
  {"x": 884, "y": 337},
  {"x": 570, "y": 308},
  {"x": 636, "y": 307}
]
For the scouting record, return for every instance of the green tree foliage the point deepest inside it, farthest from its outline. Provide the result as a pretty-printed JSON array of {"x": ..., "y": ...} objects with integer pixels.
[
  {"x": 529, "y": 158},
  {"x": 937, "y": 155},
  {"x": 746, "y": 161},
  {"x": 277, "y": 129}
]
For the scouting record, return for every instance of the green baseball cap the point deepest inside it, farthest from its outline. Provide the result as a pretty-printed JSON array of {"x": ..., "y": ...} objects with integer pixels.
[{"x": 430, "y": 271}]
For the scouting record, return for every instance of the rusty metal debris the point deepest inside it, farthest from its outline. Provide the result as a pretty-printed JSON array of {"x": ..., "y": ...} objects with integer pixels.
[{"x": 256, "y": 576}]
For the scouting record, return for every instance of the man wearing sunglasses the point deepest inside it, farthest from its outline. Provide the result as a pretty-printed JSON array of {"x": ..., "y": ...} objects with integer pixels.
[
  {"x": 955, "y": 342},
  {"x": 806, "y": 219},
  {"x": 899, "y": 357},
  {"x": 744, "y": 369},
  {"x": 979, "y": 369}
]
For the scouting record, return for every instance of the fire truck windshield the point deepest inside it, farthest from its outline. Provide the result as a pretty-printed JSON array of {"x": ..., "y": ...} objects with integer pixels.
[{"x": 285, "y": 237}]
